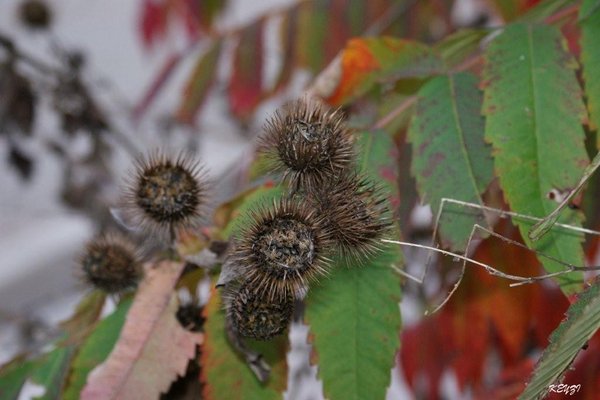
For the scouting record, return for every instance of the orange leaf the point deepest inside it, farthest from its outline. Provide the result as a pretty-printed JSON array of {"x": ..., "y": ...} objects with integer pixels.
[
  {"x": 367, "y": 61},
  {"x": 484, "y": 315}
]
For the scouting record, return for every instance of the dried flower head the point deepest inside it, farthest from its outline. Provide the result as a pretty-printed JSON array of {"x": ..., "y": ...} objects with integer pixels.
[
  {"x": 166, "y": 193},
  {"x": 254, "y": 314},
  {"x": 309, "y": 144},
  {"x": 111, "y": 263},
  {"x": 355, "y": 212},
  {"x": 283, "y": 249}
]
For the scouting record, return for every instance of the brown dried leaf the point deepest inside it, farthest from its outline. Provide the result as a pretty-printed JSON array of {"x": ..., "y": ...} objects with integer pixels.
[{"x": 153, "y": 348}]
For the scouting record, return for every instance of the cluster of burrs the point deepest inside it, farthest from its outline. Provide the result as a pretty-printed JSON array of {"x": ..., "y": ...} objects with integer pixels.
[
  {"x": 163, "y": 195},
  {"x": 329, "y": 208}
]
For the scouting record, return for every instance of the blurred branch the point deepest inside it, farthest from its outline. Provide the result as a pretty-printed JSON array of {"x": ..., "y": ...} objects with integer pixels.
[{"x": 70, "y": 75}]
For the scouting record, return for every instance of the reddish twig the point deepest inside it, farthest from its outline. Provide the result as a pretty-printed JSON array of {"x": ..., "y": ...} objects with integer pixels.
[{"x": 155, "y": 87}]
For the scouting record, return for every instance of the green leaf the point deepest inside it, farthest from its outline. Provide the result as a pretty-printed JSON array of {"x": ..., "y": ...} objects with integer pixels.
[
  {"x": 225, "y": 375},
  {"x": 583, "y": 320},
  {"x": 264, "y": 196},
  {"x": 49, "y": 371},
  {"x": 199, "y": 84},
  {"x": 95, "y": 349},
  {"x": 208, "y": 10},
  {"x": 590, "y": 59},
  {"x": 378, "y": 155},
  {"x": 455, "y": 48},
  {"x": 587, "y": 8},
  {"x": 355, "y": 321},
  {"x": 313, "y": 51},
  {"x": 450, "y": 157},
  {"x": 354, "y": 314},
  {"x": 534, "y": 112},
  {"x": 13, "y": 376},
  {"x": 52, "y": 371}
]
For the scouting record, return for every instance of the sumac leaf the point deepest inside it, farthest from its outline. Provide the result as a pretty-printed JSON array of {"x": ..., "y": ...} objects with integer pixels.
[
  {"x": 354, "y": 322},
  {"x": 590, "y": 58},
  {"x": 534, "y": 113},
  {"x": 583, "y": 320},
  {"x": 450, "y": 157}
]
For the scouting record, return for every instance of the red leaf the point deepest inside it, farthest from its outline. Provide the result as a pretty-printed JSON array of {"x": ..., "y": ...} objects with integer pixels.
[
  {"x": 189, "y": 14},
  {"x": 153, "y": 21},
  {"x": 153, "y": 347},
  {"x": 484, "y": 314},
  {"x": 245, "y": 87},
  {"x": 157, "y": 84}
]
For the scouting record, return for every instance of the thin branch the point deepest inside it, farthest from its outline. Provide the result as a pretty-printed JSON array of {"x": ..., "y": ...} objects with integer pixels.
[
  {"x": 544, "y": 225},
  {"x": 519, "y": 280}
]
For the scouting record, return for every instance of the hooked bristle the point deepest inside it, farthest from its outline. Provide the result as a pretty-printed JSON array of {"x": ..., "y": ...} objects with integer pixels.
[
  {"x": 255, "y": 315},
  {"x": 167, "y": 193},
  {"x": 309, "y": 144},
  {"x": 283, "y": 250},
  {"x": 355, "y": 212},
  {"x": 112, "y": 264}
]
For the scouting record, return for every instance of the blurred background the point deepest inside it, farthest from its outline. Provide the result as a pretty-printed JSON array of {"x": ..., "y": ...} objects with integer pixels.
[{"x": 85, "y": 86}]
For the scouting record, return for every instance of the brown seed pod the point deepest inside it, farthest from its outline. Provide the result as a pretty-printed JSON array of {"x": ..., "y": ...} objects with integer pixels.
[
  {"x": 111, "y": 263},
  {"x": 252, "y": 313},
  {"x": 283, "y": 249},
  {"x": 308, "y": 143},
  {"x": 166, "y": 193},
  {"x": 35, "y": 14},
  {"x": 355, "y": 212}
]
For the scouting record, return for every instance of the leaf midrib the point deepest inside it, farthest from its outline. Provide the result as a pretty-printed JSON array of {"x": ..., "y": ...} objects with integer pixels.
[
  {"x": 460, "y": 134},
  {"x": 537, "y": 135},
  {"x": 534, "y": 110}
]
